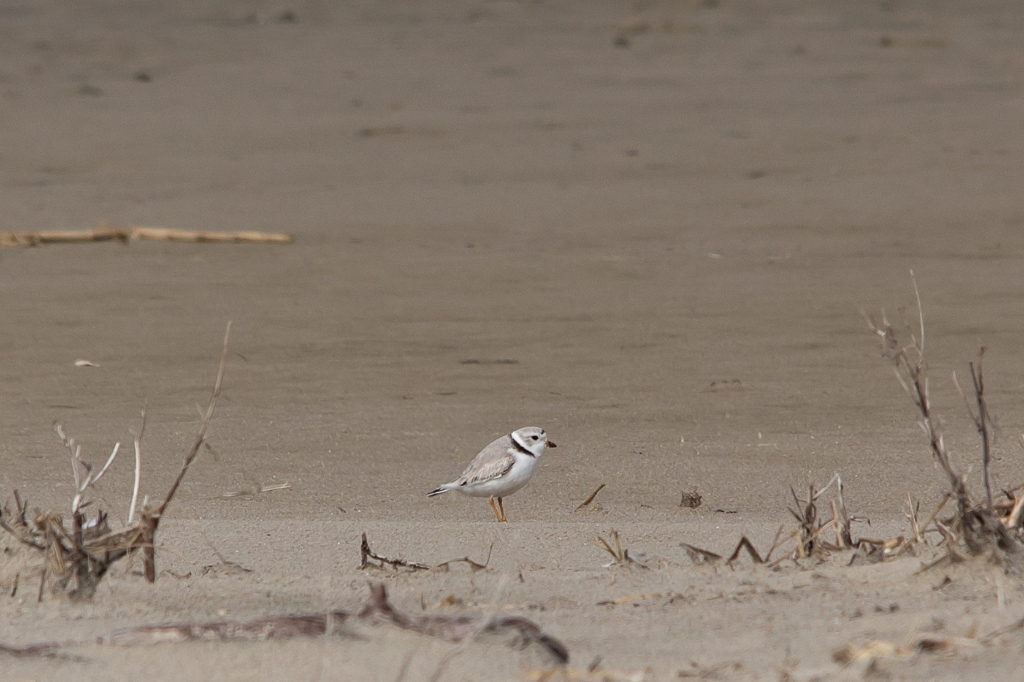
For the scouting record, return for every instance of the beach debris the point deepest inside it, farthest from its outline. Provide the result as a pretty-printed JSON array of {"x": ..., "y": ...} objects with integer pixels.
[
  {"x": 173, "y": 235},
  {"x": 377, "y": 611},
  {"x": 691, "y": 499},
  {"x": 702, "y": 556},
  {"x": 620, "y": 556},
  {"x": 257, "y": 489},
  {"x": 77, "y": 554},
  {"x": 473, "y": 565},
  {"x": 880, "y": 648},
  {"x": 590, "y": 498},
  {"x": 106, "y": 233},
  {"x": 85, "y": 363},
  {"x": 986, "y": 527},
  {"x": 367, "y": 556}
]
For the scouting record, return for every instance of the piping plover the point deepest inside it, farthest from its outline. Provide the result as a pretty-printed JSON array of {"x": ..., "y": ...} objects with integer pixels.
[{"x": 501, "y": 468}]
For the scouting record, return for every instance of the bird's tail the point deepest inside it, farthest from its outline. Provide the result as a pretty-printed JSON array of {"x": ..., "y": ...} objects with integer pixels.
[{"x": 438, "y": 491}]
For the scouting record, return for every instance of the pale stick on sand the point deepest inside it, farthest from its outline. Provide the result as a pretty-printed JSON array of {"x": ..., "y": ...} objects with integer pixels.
[{"x": 134, "y": 233}]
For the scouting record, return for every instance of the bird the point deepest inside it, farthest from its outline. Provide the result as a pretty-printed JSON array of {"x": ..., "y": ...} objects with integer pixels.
[{"x": 501, "y": 468}]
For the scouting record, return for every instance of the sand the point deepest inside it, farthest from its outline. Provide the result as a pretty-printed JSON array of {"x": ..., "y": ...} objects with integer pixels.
[{"x": 648, "y": 227}]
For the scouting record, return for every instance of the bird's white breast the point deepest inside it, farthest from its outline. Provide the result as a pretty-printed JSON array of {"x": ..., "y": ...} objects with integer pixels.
[{"x": 518, "y": 476}]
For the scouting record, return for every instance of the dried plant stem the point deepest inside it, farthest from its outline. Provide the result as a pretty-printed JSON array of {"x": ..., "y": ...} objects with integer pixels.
[
  {"x": 747, "y": 545},
  {"x": 201, "y": 436},
  {"x": 80, "y": 552},
  {"x": 138, "y": 470},
  {"x": 590, "y": 499},
  {"x": 912, "y": 515},
  {"x": 982, "y": 422},
  {"x": 912, "y": 373},
  {"x": 150, "y": 516},
  {"x": 366, "y": 554}
]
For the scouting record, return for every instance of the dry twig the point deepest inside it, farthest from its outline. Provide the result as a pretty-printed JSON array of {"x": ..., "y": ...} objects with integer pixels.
[
  {"x": 474, "y": 565},
  {"x": 700, "y": 556},
  {"x": 107, "y": 233},
  {"x": 747, "y": 545},
  {"x": 590, "y": 499},
  {"x": 978, "y": 527},
  {"x": 619, "y": 555},
  {"x": 366, "y": 555},
  {"x": 77, "y": 558}
]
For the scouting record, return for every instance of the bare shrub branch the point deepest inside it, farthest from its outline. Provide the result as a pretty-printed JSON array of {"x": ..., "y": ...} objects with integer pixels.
[{"x": 78, "y": 555}]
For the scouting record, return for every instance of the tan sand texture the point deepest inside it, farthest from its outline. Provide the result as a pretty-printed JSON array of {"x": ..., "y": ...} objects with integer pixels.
[{"x": 648, "y": 227}]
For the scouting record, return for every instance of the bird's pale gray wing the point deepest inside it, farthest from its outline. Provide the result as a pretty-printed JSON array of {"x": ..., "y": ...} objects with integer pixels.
[{"x": 493, "y": 462}]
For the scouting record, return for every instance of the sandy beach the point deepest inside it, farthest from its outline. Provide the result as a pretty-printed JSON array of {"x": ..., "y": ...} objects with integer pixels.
[{"x": 648, "y": 227}]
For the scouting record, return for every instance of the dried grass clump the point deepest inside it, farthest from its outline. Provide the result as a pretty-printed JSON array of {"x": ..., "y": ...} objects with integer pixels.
[
  {"x": 620, "y": 555},
  {"x": 810, "y": 538},
  {"x": 977, "y": 527},
  {"x": 78, "y": 552},
  {"x": 991, "y": 526}
]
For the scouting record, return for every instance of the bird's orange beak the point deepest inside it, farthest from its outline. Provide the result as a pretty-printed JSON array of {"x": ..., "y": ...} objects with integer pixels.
[{"x": 551, "y": 445}]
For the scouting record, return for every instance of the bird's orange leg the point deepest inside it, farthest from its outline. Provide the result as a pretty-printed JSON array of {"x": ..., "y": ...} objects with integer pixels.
[
  {"x": 502, "y": 508},
  {"x": 494, "y": 508}
]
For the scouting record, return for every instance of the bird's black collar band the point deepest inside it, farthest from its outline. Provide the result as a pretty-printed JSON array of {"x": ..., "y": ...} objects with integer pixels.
[{"x": 519, "y": 446}]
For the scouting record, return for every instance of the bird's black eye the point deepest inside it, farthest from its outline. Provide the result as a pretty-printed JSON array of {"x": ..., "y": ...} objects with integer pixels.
[{"x": 533, "y": 437}]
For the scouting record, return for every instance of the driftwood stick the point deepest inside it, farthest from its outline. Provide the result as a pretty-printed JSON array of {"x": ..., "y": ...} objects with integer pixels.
[
  {"x": 108, "y": 233},
  {"x": 101, "y": 234},
  {"x": 173, "y": 235}
]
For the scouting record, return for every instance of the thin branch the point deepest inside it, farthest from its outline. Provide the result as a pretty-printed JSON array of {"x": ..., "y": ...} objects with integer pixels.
[
  {"x": 920, "y": 312},
  {"x": 744, "y": 543},
  {"x": 982, "y": 422},
  {"x": 201, "y": 436},
  {"x": 138, "y": 468},
  {"x": 590, "y": 499},
  {"x": 365, "y": 554},
  {"x": 91, "y": 480},
  {"x": 475, "y": 565}
]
